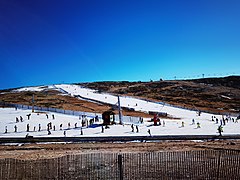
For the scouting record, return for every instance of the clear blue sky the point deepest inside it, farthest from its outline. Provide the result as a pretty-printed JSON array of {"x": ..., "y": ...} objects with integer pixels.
[{"x": 55, "y": 41}]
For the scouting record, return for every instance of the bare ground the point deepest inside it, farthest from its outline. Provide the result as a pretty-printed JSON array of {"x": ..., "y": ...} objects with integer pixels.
[{"x": 46, "y": 151}]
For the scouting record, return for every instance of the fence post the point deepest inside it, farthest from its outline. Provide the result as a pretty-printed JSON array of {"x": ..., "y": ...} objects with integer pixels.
[
  {"x": 219, "y": 163},
  {"x": 120, "y": 167}
]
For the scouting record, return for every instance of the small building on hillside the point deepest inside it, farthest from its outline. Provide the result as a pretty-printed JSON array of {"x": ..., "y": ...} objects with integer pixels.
[{"x": 108, "y": 117}]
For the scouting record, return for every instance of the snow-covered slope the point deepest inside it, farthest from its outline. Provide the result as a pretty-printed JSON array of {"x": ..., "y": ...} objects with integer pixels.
[{"x": 172, "y": 127}]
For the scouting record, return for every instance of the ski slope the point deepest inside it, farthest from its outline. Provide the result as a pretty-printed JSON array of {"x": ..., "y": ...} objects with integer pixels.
[{"x": 172, "y": 127}]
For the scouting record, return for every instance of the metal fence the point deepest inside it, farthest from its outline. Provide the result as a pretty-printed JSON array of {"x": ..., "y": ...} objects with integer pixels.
[
  {"x": 125, "y": 119},
  {"x": 207, "y": 164}
]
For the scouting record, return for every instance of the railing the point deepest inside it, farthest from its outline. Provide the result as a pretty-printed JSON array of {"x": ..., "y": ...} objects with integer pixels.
[
  {"x": 126, "y": 119},
  {"x": 202, "y": 164}
]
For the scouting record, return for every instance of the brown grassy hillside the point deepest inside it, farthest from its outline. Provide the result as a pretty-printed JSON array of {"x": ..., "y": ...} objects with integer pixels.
[{"x": 211, "y": 94}]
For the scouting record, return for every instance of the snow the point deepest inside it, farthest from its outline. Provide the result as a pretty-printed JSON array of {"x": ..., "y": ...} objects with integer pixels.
[
  {"x": 35, "y": 88},
  {"x": 172, "y": 126}
]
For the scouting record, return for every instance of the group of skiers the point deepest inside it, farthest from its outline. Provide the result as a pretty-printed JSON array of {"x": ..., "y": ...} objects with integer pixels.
[{"x": 134, "y": 128}]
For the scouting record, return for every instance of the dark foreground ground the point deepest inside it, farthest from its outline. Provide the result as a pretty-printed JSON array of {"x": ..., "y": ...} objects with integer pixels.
[{"x": 45, "y": 151}]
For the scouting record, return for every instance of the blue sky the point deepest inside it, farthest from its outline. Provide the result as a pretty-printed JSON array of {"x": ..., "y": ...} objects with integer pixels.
[{"x": 55, "y": 41}]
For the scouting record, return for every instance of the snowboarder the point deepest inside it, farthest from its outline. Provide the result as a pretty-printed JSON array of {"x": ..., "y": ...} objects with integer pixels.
[
  {"x": 15, "y": 128},
  {"x": 220, "y": 130}
]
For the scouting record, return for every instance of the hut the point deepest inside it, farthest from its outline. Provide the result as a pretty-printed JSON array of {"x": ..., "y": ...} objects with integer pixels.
[{"x": 108, "y": 117}]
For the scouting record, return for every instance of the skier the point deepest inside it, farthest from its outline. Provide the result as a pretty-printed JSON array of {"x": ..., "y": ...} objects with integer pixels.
[
  {"x": 69, "y": 125},
  {"x": 102, "y": 129},
  {"x": 96, "y": 119},
  {"x": 149, "y": 132},
  {"x": 224, "y": 122},
  {"x": 21, "y": 118},
  {"x": 182, "y": 124},
  {"x": 39, "y": 127},
  {"x": 15, "y": 128},
  {"x": 28, "y": 115},
  {"x": 75, "y": 125},
  {"x": 49, "y": 132},
  {"x": 61, "y": 126},
  {"x": 17, "y": 120},
  {"x": 5, "y": 129},
  {"x": 53, "y": 117},
  {"x": 193, "y": 121},
  {"x": 47, "y": 116},
  {"x": 137, "y": 130},
  {"x": 198, "y": 125},
  {"x": 54, "y": 128},
  {"x": 28, "y": 127},
  {"x": 132, "y": 128},
  {"x": 163, "y": 123},
  {"x": 216, "y": 120},
  {"x": 220, "y": 130},
  {"x": 64, "y": 133},
  {"x": 34, "y": 128},
  {"x": 81, "y": 131}
]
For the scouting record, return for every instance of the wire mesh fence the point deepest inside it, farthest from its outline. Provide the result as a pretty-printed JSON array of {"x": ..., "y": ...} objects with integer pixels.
[
  {"x": 202, "y": 164},
  {"x": 125, "y": 119}
]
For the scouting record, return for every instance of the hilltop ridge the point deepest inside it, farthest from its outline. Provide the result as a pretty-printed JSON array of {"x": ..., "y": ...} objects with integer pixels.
[{"x": 208, "y": 94}]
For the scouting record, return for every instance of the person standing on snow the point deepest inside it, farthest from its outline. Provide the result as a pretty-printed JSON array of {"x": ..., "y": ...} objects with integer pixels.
[
  {"x": 220, "y": 130},
  {"x": 28, "y": 127},
  {"x": 198, "y": 125},
  {"x": 182, "y": 124}
]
